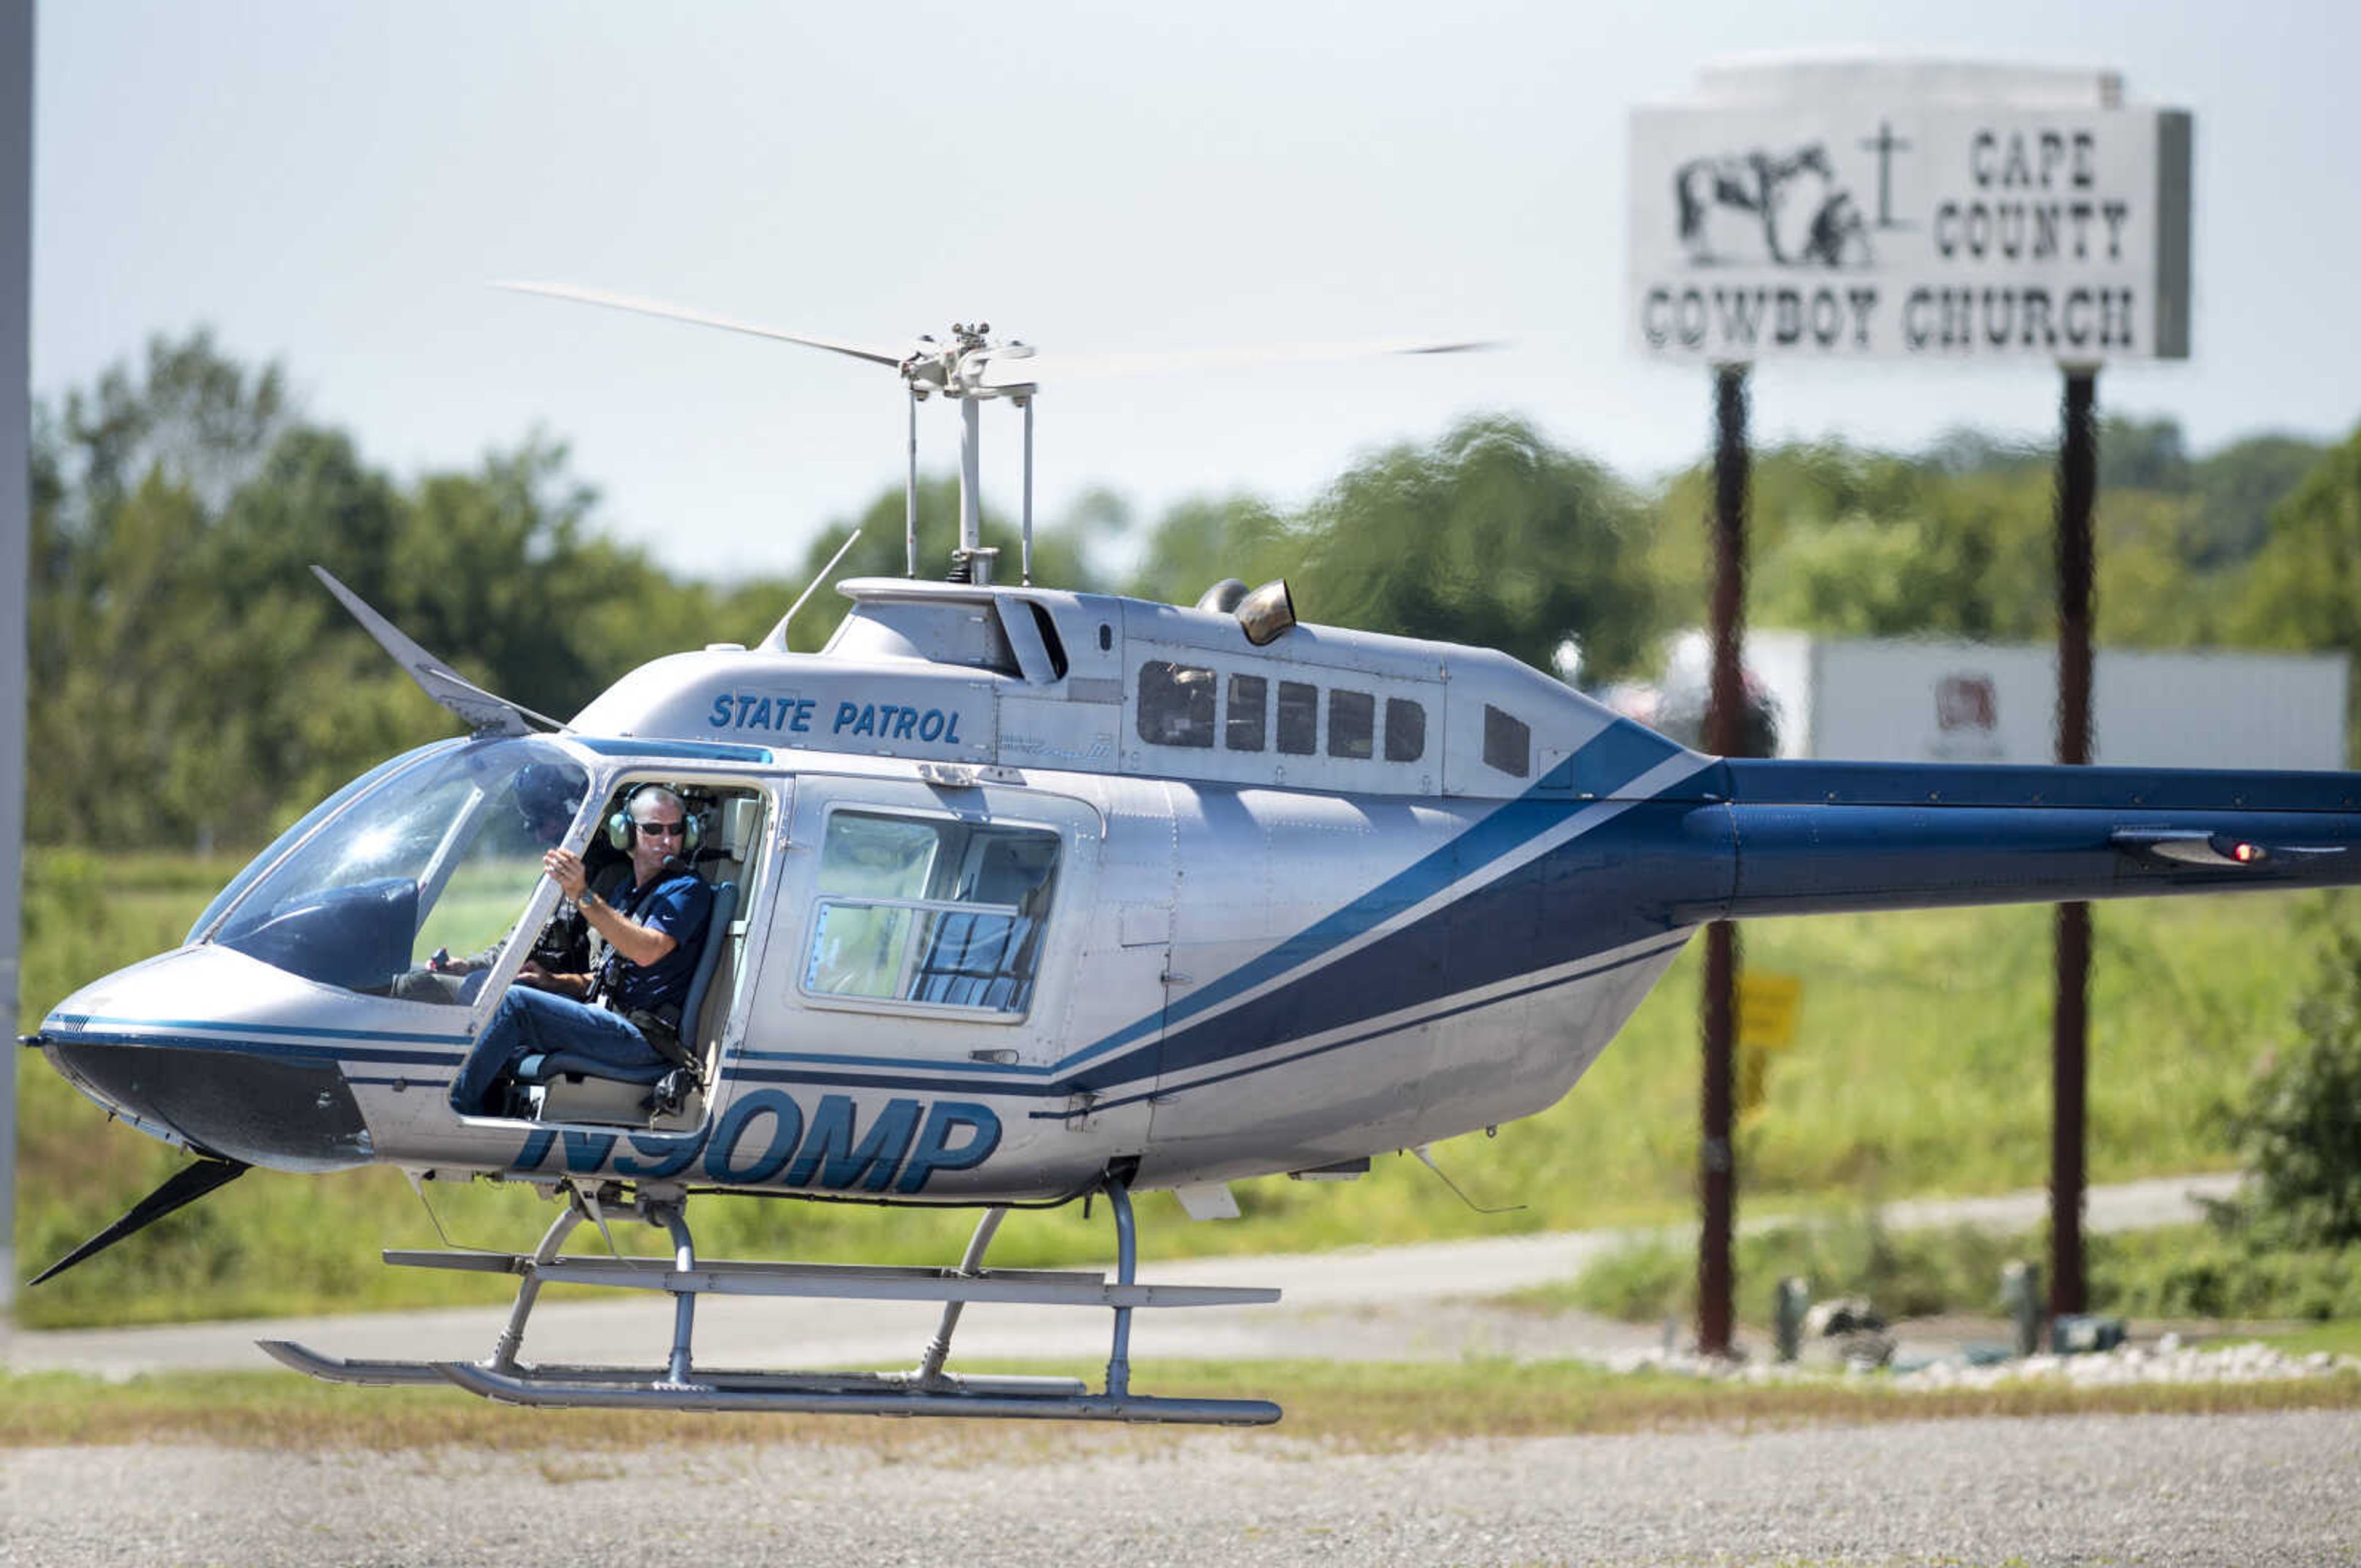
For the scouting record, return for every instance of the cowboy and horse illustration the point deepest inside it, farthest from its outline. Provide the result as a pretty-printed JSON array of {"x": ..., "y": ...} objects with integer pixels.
[{"x": 1747, "y": 208}]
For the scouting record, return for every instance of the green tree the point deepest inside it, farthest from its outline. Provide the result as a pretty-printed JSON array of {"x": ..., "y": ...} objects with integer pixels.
[
  {"x": 1204, "y": 540},
  {"x": 1490, "y": 536},
  {"x": 1960, "y": 541},
  {"x": 2143, "y": 454},
  {"x": 190, "y": 683},
  {"x": 2303, "y": 589},
  {"x": 2299, "y": 1131},
  {"x": 2237, "y": 488}
]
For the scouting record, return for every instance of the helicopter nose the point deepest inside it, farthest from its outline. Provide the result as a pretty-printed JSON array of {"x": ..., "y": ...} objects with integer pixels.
[
  {"x": 236, "y": 1090},
  {"x": 217, "y": 1098}
]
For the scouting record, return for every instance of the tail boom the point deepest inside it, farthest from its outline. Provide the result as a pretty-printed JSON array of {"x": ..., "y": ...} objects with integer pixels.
[{"x": 1813, "y": 838}]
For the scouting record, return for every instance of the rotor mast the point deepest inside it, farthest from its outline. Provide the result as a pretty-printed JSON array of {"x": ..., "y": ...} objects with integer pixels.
[{"x": 960, "y": 369}]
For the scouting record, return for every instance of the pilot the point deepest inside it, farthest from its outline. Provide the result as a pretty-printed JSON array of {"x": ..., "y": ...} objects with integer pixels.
[{"x": 627, "y": 1015}]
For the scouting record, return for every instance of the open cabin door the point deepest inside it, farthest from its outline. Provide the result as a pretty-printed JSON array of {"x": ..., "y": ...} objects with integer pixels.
[{"x": 732, "y": 850}]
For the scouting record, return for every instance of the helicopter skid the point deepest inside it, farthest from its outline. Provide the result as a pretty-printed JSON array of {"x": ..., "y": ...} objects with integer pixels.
[
  {"x": 869, "y": 1394},
  {"x": 543, "y": 1379},
  {"x": 929, "y": 1391}
]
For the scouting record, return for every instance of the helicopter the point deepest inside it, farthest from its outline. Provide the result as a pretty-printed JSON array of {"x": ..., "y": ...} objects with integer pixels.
[{"x": 1022, "y": 895}]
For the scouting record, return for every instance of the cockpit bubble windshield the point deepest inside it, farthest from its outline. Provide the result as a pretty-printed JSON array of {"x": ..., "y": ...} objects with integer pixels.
[{"x": 438, "y": 857}]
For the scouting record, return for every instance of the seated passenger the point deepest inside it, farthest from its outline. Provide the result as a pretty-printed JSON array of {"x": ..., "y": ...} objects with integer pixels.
[{"x": 626, "y": 1017}]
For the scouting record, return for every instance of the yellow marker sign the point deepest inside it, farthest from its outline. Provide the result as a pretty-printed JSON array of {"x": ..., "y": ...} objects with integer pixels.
[{"x": 1767, "y": 1005}]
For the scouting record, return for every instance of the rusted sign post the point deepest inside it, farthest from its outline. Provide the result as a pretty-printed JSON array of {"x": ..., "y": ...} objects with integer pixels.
[
  {"x": 1725, "y": 716},
  {"x": 2078, "y": 485}
]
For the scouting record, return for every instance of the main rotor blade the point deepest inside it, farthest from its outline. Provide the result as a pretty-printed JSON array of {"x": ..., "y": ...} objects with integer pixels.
[
  {"x": 1054, "y": 367},
  {"x": 700, "y": 318},
  {"x": 484, "y": 713},
  {"x": 184, "y": 1188}
]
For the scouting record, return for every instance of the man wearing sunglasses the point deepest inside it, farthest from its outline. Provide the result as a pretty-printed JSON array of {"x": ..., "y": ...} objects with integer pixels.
[{"x": 626, "y": 1016}]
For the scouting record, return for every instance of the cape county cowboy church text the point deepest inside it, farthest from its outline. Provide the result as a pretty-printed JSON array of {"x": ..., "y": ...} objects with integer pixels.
[{"x": 1880, "y": 230}]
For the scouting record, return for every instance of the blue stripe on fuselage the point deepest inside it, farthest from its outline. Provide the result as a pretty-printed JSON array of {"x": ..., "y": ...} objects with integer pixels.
[
  {"x": 1649, "y": 871},
  {"x": 1603, "y": 765},
  {"x": 86, "y": 1020}
]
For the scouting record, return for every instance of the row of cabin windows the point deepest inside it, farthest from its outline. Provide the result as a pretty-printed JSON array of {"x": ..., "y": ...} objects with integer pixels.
[
  {"x": 1176, "y": 709},
  {"x": 1177, "y": 705}
]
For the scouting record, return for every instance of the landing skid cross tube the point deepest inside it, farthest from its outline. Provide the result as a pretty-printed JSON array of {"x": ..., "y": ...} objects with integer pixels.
[{"x": 927, "y": 1390}]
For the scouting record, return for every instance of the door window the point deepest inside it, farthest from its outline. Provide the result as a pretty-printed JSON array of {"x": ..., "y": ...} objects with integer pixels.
[{"x": 930, "y": 912}]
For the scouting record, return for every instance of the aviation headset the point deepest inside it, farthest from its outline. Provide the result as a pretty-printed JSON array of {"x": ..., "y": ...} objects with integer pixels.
[{"x": 621, "y": 830}]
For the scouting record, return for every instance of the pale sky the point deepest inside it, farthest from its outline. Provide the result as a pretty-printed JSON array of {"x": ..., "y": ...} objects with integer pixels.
[{"x": 334, "y": 186}]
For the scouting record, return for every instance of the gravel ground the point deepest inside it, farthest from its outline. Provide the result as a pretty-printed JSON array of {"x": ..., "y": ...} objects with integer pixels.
[{"x": 2152, "y": 1490}]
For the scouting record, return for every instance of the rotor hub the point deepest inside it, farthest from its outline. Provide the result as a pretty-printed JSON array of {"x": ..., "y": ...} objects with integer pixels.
[{"x": 957, "y": 369}]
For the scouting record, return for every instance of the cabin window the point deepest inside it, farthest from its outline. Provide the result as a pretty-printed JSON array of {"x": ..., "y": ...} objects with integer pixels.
[
  {"x": 1405, "y": 730},
  {"x": 1298, "y": 717},
  {"x": 940, "y": 913},
  {"x": 1352, "y": 722},
  {"x": 1249, "y": 715},
  {"x": 1175, "y": 704},
  {"x": 1508, "y": 742}
]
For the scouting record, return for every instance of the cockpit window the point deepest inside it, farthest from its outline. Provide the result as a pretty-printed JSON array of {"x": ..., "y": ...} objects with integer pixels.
[
  {"x": 295, "y": 835},
  {"x": 442, "y": 855}
]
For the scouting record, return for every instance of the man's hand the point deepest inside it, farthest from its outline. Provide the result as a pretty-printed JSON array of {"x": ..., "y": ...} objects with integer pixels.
[
  {"x": 532, "y": 975},
  {"x": 564, "y": 869}
]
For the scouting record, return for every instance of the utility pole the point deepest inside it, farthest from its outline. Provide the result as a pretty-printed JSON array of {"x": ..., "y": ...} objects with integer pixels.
[{"x": 15, "y": 541}]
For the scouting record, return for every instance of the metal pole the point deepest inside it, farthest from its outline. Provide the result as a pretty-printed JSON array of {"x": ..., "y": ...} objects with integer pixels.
[
  {"x": 16, "y": 540},
  {"x": 1025, "y": 564},
  {"x": 1126, "y": 1272},
  {"x": 1724, "y": 730},
  {"x": 939, "y": 1349},
  {"x": 910, "y": 496},
  {"x": 971, "y": 477},
  {"x": 2078, "y": 485}
]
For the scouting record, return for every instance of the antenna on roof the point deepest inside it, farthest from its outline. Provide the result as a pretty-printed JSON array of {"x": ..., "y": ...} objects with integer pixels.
[{"x": 777, "y": 642}]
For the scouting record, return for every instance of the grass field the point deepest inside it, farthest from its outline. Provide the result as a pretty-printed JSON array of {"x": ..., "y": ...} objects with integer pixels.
[
  {"x": 1359, "y": 1405},
  {"x": 1921, "y": 1067}
]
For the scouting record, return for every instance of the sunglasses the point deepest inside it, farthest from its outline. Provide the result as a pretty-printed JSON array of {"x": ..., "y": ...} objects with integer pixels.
[{"x": 664, "y": 829}]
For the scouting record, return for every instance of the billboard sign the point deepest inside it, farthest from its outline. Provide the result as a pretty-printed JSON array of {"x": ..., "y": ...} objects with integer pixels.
[{"x": 1867, "y": 224}]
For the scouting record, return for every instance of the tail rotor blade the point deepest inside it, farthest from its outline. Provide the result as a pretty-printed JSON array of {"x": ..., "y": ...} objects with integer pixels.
[{"x": 184, "y": 1187}]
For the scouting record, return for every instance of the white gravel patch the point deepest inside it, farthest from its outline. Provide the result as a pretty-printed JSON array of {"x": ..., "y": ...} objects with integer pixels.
[
  {"x": 2167, "y": 1361},
  {"x": 2159, "y": 1491}
]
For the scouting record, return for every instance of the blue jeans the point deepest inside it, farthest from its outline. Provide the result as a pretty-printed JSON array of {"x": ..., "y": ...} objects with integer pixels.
[{"x": 540, "y": 1023}]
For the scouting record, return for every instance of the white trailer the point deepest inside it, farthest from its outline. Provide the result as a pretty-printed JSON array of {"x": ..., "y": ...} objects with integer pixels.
[{"x": 1925, "y": 701}]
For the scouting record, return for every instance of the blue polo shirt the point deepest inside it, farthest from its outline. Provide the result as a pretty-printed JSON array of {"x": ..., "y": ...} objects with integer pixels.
[{"x": 678, "y": 906}]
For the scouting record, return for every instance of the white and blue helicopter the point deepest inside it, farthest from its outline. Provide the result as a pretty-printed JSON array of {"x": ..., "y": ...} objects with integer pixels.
[{"x": 1023, "y": 896}]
